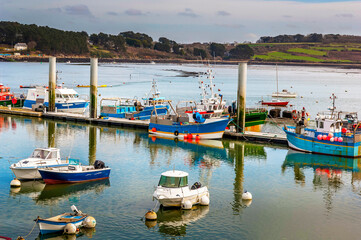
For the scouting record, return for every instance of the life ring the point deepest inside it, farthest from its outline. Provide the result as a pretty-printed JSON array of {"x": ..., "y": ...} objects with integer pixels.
[
  {"x": 176, "y": 133},
  {"x": 294, "y": 114}
]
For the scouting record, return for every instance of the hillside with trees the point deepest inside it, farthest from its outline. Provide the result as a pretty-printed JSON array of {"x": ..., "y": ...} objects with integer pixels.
[{"x": 133, "y": 46}]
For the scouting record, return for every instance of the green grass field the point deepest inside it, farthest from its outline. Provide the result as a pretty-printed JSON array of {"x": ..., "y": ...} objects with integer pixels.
[
  {"x": 280, "y": 56},
  {"x": 308, "y": 51}
]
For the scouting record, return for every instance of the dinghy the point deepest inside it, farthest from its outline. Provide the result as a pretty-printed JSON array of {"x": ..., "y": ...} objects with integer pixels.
[
  {"x": 173, "y": 191},
  {"x": 58, "y": 223}
]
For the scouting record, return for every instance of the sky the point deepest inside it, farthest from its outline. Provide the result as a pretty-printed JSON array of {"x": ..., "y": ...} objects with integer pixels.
[{"x": 187, "y": 21}]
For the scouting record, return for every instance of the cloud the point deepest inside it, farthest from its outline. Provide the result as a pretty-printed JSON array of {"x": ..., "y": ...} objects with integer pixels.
[
  {"x": 133, "y": 12},
  {"x": 231, "y": 25},
  {"x": 223, "y": 13},
  {"x": 188, "y": 13},
  {"x": 112, "y": 13},
  {"x": 80, "y": 10},
  {"x": 345, "y": 15},
  {"x": 55, "y": 10}
]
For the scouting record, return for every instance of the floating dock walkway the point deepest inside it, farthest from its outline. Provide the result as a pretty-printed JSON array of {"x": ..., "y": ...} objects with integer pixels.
[{"x": 140, "y": 124}]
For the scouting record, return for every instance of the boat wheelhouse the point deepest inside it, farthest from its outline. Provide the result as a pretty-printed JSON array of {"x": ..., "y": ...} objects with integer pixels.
[
  {"x": 173, "y": 191},
  {"x": 66, "y": 99},
  {"x": 27, "y": 169}
]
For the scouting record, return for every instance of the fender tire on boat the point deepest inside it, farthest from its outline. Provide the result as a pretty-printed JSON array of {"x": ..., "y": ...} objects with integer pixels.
[{"x": 176, "y": 133}]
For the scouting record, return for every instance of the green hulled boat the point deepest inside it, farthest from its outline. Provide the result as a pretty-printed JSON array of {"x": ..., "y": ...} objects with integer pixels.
[{"x": 254, "y": 117}]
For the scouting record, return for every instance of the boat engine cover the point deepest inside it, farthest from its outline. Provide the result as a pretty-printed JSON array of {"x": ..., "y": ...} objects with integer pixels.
[{"x": 99, "y": 164}]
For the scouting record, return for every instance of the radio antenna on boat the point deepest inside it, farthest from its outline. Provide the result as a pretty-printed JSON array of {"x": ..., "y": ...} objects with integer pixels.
[{"x": 333, "y": 98}]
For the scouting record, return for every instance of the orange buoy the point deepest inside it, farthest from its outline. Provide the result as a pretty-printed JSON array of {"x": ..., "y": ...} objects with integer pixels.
[
  {"x": 154, "y": 129},
  {"x": 190, "y": 136},
  {"x": 150, "y": 215},
  {"x": 198, "y": 137},
  {"x": 185, "y": 136}
]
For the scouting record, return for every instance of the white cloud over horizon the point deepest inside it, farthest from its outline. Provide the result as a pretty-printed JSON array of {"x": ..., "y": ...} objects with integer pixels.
[{"x": 191, "y": 20}]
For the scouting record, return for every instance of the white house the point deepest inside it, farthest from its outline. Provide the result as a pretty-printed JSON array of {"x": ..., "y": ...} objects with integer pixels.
[{"x": 20, "y": 46}]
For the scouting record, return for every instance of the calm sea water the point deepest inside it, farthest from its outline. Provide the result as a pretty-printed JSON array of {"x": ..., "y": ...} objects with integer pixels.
[
  {"x": 295, "y": 195},
  {"x": 314, "y": 85}
]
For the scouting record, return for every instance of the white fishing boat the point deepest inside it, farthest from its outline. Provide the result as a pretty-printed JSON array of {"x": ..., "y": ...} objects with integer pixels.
[
  {"x": 66, "y": 99},
  {"x": 27, "y": 169},
  {"x": 173, "y": 191},
  {"x": 59, "y": 222}
]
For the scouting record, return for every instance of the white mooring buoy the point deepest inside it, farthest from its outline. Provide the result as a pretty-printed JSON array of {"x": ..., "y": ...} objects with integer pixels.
[
  {"x": 15, "y": 183},
  {"x": 246, "y": 195},
  {"x": 205, "y": 201},
  {"x": 70, "y": 229},
  {"x": 89, "y": 222},
  {"x": 187, "y": 205}
]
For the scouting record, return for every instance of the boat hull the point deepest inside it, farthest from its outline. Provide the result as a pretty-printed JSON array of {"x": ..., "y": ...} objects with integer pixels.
[
  {"x": 309, "y": 144},
  {"x": 56, "y": 177},
  {"x": 26, "y": 173},
  {"x": 19, "y": 103},
  {"x": 71, "y": 107},
  {"x": 210, "y": 130},
  {"x": 280, "y": 104},
  {"x": 177, "y": 202}
]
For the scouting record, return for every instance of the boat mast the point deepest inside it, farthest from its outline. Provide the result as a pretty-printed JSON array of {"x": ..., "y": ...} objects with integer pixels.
[
  {"x": 333, "y": 97},
  {"x": 210, "y": 77},
  {"x": 277, "y": 79}
]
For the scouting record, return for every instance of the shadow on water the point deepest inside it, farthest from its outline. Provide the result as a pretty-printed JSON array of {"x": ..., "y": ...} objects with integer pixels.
[
  {"x": 83, "y": 232},
  {"x": 46, "y": 194},
  {"x": 174, "y": 221},
  {"x": 328, "y": 171}
]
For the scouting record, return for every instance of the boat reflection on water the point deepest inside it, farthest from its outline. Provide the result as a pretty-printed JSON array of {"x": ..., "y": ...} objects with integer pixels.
[
  {"x": 43, "y": 193},
  {"x": 328, "y": 172},
  {"x": 88, "y": 232},
  {"x": 31, "y": 189},
  {"x": 174, "y": 221},
  {"x": 204, "y": 154},
  {"x": 56, "y": 192}
]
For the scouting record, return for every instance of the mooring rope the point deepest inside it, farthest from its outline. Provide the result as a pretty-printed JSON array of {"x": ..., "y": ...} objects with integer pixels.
[{"x": 36, "y": 221}]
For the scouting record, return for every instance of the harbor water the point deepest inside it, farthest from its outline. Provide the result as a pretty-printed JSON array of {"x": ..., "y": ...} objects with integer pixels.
[{"x": 295, "y": 195}]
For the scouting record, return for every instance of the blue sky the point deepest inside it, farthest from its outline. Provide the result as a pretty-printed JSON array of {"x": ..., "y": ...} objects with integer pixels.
[{"x": 190, "y": 20}]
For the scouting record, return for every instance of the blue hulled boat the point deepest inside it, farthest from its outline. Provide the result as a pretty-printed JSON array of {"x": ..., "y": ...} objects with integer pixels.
[
  {"x": 188, "y": 125},
  {"x": 75, "y": 173},
  {"x": 131, "y": 108},
  {"x": 335, "y": 133}
]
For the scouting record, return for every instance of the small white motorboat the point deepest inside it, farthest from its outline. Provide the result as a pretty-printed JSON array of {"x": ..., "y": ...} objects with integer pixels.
[
  {"x": 284, "y": 94},
  {"x": 27, "y": 169},
  {"x": 173, "y": 191}
]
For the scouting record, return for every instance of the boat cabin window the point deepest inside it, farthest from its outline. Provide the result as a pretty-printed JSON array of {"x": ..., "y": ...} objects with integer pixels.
[
  {"x": 321, "y": 124},
  {"x": 316, "y": 124},
  {"x": 173, "y": 182},
  {"x": 38, "y": 153}
]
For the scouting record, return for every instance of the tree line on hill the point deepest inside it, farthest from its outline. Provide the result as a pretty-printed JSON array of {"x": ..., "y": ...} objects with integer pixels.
[{"x": 314, "y": 37}]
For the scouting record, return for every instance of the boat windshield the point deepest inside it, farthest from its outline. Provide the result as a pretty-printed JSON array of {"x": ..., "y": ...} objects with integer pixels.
[
  {"x": 43, "y": 154},
  {"x": 173, "y": 182}
]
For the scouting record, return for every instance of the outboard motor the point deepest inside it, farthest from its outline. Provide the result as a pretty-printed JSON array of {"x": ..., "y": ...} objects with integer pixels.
[
  {"x": 196, "y": 185},
  {"x": 198, "y": 117},
  {"x": 99, "y": 164}
]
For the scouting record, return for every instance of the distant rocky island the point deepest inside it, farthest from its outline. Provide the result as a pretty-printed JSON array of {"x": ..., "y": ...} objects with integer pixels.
[{"x": 21, "y": 42}]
